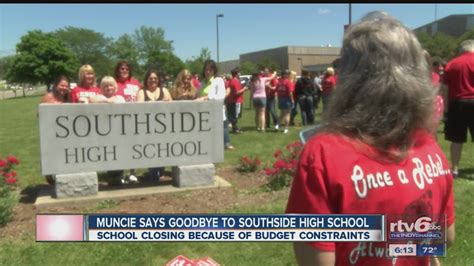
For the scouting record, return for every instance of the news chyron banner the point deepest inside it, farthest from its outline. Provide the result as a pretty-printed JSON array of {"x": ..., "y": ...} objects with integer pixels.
[
  {"x": 237, "y": 228},
  {"x": 169, "y": 228}
]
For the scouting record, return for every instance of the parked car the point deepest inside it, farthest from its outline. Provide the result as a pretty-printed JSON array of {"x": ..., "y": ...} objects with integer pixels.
[{"x": 244, "y": 79}]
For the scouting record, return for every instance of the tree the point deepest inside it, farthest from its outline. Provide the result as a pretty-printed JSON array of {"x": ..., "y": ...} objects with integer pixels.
[
  {"x": 150, "y": 42},
  {"x": 5, "y": 63},
  {"x": 248, "y": 68},
  {"x": 438, "y": 45},
  {"x": 196, "y": 65},
  {"x": 124, "y": 48},
  {"x": 41, "y": 57},
  {"x": 89, "y": 46},
  {"x": 468, "y": 35},
  {"x": 267, "y": 62},
  {"x": 165, "y": 61}
]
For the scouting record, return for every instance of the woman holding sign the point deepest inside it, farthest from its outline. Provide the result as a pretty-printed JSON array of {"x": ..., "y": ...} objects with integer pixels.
[{"x": 375, "y": 153}]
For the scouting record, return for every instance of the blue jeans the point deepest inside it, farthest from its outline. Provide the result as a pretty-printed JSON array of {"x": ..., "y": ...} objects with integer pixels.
[
  {"x": 271, "y": 110},
  {"x": 232, "y": 115},
  {"x": 156, "y": 172},
  {"x": 306, "y": 108},
  {"x": 294, "y": 112},
  {"x": 325, "y": 99},
  {"x": 226, "y": 133}
]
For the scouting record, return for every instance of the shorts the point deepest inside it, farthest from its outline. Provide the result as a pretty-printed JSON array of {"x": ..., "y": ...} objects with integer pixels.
[
  {"x": 460, "y": 119},
  {"x": 259, "y": 102},
  {"x": 284, "y": 103}
]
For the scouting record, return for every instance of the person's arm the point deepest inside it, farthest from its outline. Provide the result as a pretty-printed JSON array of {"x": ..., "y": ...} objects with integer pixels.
[
  {"x": 273, "y": 75},
  {"x": 443, "y": 91},
  {"x": 242, "y": 90},
  {"x": 167, "y": 95},
  {"x": 451, "y": 235},
  {"x": 203, "y": 98},
  {"x": 291, "y": 88},
  {"x": 141, "y": 96},
  {"x": 47, "y": 98},
  {"x": 119, "y": 99},
  {"x": 98, "y": 99},
  {"x": 235, "y": 86},
  {"x": 308, "y": 255}
]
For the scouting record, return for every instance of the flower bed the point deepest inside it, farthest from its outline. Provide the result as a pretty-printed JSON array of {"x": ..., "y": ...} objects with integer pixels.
[{"x": 8, "y": 197}]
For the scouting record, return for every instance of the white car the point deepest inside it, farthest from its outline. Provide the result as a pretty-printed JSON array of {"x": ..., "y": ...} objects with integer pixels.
[{"x": 244, "y": 79}]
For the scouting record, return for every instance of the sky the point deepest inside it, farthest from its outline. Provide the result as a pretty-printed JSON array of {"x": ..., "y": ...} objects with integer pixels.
[{"x": 244, "y": 28}]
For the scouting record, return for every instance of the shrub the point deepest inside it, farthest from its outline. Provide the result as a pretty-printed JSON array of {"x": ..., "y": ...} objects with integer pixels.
[
  {"x": 8, "y": 197},
  {"x": 247, "y": 164},
  {"x": 283, "y": 169}
]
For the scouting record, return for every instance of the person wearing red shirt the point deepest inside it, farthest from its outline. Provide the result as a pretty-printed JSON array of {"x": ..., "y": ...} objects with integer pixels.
[
  {"x": 86, "y": 86},
  {"x": 235, "y": 99},
  {"x": 459, "y": 78},
  {"x": 284, "y": 91},
  {"x": 327, "y": 86},
  {"x": 368, "y": 155},
  {"x": 127, "y": 86},
  {"x": 195, "y": 81},
  {"x": 270, "y": 107}
]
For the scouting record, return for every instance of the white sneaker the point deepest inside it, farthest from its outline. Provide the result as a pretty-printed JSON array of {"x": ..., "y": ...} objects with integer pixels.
[
  {"x": 285, "y": 131},
  {"x": 133, "y": 179}
]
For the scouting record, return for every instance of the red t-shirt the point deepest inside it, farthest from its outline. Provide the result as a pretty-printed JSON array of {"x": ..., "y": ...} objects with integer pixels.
[
  {"x": 327, "y": 84},
  {"x": 79, "y": 92},
  {"x": 196, "y": 83},
  {"x": 435, "y": 79},
  {"x": 235, "y": 86},
  {"x": 271, "y": 93},
  {"x": 129, "y": 89},
  {"x": 459, "y": 77},
  {"x": 336, "y": 175},
  {"x": 284, "y": 88}
]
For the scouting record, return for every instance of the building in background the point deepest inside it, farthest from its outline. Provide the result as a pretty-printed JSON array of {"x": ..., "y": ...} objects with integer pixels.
[
  {"x": 316, "y": 59},
  {"x": 293, "y": 58},
  {"x": 453, "y": 25},
  {"x": 226, "y": 66}
]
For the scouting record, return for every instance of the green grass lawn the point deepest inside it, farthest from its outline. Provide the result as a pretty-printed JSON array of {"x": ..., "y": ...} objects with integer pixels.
[{"x": 19, "y": 135}]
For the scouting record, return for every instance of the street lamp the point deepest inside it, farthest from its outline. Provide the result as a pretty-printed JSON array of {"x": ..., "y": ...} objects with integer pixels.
[
  {"x": 217, "y": 27},
  {"x": 350, "y": 14}
]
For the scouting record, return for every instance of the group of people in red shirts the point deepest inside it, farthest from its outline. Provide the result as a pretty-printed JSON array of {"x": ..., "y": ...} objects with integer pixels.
[{"x": 267, "y": 90}]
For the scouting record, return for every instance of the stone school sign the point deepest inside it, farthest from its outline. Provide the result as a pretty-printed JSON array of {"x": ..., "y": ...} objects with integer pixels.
[{"x": 99, "y": 137}]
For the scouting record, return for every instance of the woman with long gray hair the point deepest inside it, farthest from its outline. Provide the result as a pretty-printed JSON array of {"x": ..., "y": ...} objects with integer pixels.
[{"x": 375, "y": 153}]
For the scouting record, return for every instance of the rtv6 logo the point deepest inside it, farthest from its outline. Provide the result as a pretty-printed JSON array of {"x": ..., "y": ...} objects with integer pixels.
[{"x": 421, "y": 225}]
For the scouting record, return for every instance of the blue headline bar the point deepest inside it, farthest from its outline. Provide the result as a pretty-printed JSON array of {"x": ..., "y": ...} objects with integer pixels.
[{"x": 213, "y": 221}]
